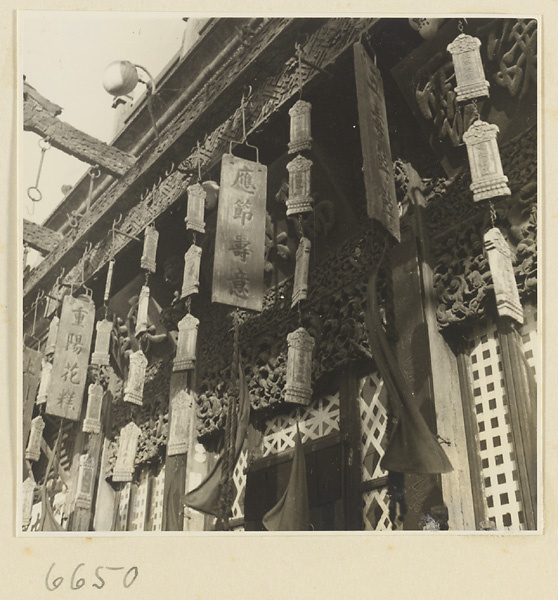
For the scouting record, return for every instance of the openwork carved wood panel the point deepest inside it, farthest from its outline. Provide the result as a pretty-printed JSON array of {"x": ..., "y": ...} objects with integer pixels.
[{"x": 239, "y": 479}]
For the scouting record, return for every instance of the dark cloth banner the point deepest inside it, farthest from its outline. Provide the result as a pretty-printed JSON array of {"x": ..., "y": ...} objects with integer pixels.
[{"x": 292, "y": 512}]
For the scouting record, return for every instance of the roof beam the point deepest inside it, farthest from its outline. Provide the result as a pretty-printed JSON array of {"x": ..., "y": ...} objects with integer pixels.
[
  {"x": 42, "y": 239},
  {"x": 41, "y": 117}
]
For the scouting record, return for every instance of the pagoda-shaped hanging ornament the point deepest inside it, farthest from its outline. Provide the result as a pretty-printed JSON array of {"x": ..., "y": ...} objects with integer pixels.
[
  {"x": 196, "y": 207},
  {"x": 86, "y": 481},
  {"x": 299, "y": 199},
  {"x": 488, "y": 179},
  {"x": 33, "y": 450},
  {"x": 186, "y": 346},
  {"x": 92, "y": 421},
  {"x": 142, "y": 323},
  {"x": 44, "y": 384},
  {"x": 52, "y": 334},
  {"x": 149, "y": 256},
  {"x": 179, "y": 428},
  {"x": 101, "y": 355},
  {"x": 508, "y": 303},
  {"x": 133, "y": 390},
  {"x": 27, "y": 494},
  {"x": 300, "y": 285},
  {"x": 127, "y": 448},
  {"x": 299, "y": 367},
  {"x": 191, "y": 279},
  {"x": 300, "y": 133},
  {"x": 469, "y": 72}
]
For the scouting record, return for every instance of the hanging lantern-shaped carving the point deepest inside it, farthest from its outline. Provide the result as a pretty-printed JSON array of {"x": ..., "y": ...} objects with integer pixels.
[
  {"x": 33, "y": 450},
  {"x": 86, "y": 481},
  {"x": 28, "y": 491},
  {"x": 127, "y": 448},
  {"x": 142, "y": 322},
  {"x": 186, "y": 346},
  {"x": 487, "y": 175},
  {"x": 300, "y": 286},
  {"x": 52, "y": 334},
  {"x": 299, "y": 367},
  {"x": 92, "y": 421},
  {"x": 499, "y": 254},
  {"x": 196, "y": 206},
  {"x": 44, "y": 384},
  {"x": 469, "y": 72},
  {"x": 179, "y": 429},
  {"x": 301, "y": 138},
  {"x": 149, "y": 256},
  {"x": 191, "y": 280},
  {"x": 102, "y": 343},
  {"x": 133, "y": 391},
  {"x": 299, "y": 200}
]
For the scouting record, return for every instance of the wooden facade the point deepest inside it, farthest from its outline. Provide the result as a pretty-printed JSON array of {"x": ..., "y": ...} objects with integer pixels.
[{"x": 471, "y": 371}]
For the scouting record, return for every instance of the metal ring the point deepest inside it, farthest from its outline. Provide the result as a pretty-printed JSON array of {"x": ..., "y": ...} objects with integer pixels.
[
  {"x": 44, "y": 144},
  {"x": 34, "y": 194},
  {"x": 94, "y": 172}
]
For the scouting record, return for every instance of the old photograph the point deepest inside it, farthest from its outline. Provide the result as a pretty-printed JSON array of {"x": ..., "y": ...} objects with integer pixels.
[{"x": 278, "y": 274}]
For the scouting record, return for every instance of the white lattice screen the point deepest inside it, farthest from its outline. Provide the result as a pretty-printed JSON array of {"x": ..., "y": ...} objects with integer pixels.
[
  {"x": 318, "y": 419},
  {"x": 499, "y": 467},
  {"x": 157, "y": 500},
  {"x": 122, "y": 515},
  {"x": 239, "y": 478}
]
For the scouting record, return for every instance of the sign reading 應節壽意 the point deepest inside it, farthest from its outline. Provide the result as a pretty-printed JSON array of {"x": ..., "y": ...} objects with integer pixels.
[
  {"x": 240, "y": 242},
  {"x": 376, "y": 153},
  {"x": 71, "y": 358}
]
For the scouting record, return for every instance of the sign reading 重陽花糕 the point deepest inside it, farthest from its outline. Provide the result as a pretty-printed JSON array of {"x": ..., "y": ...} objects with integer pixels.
[
  {"x": 240, "y": 242},
  {"x": 378, "y": 167},
  {"x": 71, "y": 358}
]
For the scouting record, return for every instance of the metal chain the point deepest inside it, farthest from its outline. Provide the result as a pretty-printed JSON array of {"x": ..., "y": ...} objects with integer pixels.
[{"x": 493, "y": 215}]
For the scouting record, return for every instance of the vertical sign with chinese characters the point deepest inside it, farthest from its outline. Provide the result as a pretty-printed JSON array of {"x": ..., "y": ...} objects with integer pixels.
[
  {"x": 240, "y": 242},
  {"x": 378, "y": 167},
  {"x": 71, "y": 358}
]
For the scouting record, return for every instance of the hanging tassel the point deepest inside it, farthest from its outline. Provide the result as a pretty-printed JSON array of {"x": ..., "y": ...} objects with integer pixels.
[
  {"x": 487, "y": 174},
  {"x": 299, "y": 200},
  {"x": 301, "y": 138},
  {"x": 186, "y": 346},
  {"x": 191, "y": 279},
  {"x": 127, "y": 449},
  {"x": 27, "y": 494},
  {"x": 300, "y": 286},
  {"x": 196, "y": 207},
  {"x": 92, "y": 421},
  {"x": 44, "y": 385},
  {"x": 108, "y": 283},
  {"x": 133, "y": 391},
  {"x": 149, "y": 256},
  {"x": 469, "y": 72},
  {"x": 499, "y": 255},
  {"x": 298, "y": 388},
  {"x": 33, "y": 450},
  {"x": 142, "y": 323}
]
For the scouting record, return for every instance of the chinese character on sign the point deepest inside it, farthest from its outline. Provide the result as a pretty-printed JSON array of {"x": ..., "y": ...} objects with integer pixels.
[
  {"x": 241, "y": 247},
  {"x": 71, "y": 373},
  {"x": 74, "y": 342},
  {"x": 242, "y": 210},
  {"x": 238, "y": 284},
  {"x": 79, "y": 315},
  {"x": 65, "y": 397},
  {"x": 244, "y": 180}
]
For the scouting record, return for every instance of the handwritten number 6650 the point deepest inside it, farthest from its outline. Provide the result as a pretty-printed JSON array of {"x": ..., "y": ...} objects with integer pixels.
[{"x": 77, "y": 583}]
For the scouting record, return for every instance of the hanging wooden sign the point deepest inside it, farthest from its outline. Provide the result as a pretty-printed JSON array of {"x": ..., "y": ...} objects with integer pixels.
[
  {"x": 487, "y": 174},
  {"x": 52, "y": 334},
  {"x": 300, "y": 135},
  {"x": 298, "y": 388},
  {"x": 300, "y": 286},
  {"x": 191, "y": 279},
  {"x": 469, "y": 72},
  {"x": 196, "y": 207},
  {"x": 27, "y": 494},
  {"x": 33, "y": 451},
  {"x": 142, "y": 322},
  {"x": 499, "y": 254},
  {"x": 71, "y": 357},
  {"x": 300, "y": 198},
  {"x": 92, "y": 421},
  {"x": 44, "y": 385},
  {"x": 149, "y": 256},
  {"x": 133, "y": 391},
  {"x": 240, "y": 241},
  {"x": 101, "y": 354},
  {"x": 127, "y": 448},
  {"x": 374, "y": 136},
  {"x": 179, "y": 430},
  {"x": 186, "y": 345},
  {"x": 86, "y": 481}
]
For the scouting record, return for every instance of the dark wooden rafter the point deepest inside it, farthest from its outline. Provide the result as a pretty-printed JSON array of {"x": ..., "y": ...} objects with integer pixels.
[
  {"x": 41, "y": 117},
  {"x": 268, "y": 97},
  {"x": 39, "y": 238}
]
